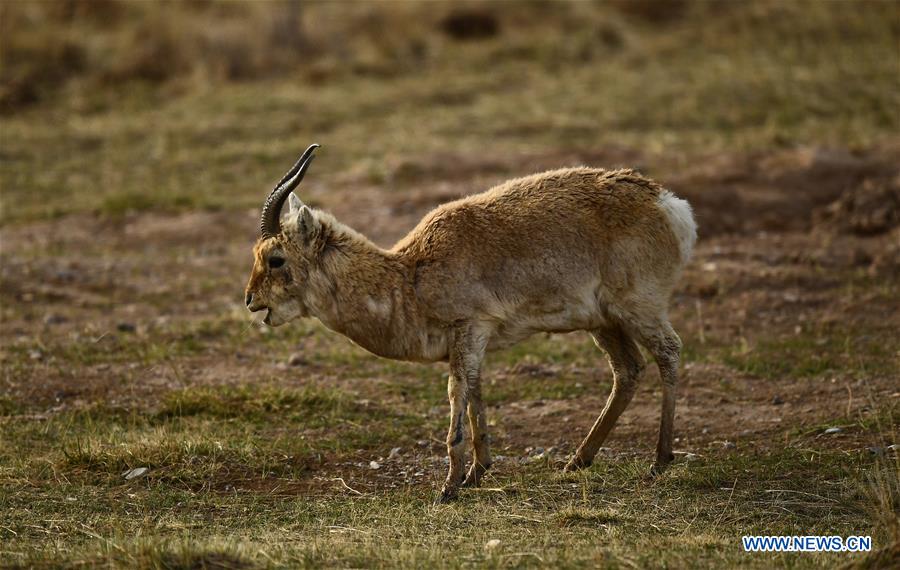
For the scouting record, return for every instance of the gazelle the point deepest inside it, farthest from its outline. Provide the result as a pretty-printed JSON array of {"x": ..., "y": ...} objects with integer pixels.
[{"x": 575, "y": 249}]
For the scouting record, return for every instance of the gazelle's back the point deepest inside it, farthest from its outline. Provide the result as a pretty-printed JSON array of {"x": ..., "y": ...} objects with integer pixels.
[
  {"x": 566, "y": 236},
  {"x": 535, "y": 212}
]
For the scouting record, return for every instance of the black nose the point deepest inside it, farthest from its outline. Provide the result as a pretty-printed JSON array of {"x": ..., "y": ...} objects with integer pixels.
[{"x": 249, "y": 299}]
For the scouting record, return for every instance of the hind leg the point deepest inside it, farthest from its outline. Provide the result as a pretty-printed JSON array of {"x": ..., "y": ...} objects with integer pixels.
[
  {"x": 665, "y": 346},
  {"x": 627, "y": 364}
]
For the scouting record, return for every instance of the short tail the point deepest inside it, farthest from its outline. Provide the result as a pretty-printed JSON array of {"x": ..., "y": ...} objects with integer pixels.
[{"x": 681, "y": 220}]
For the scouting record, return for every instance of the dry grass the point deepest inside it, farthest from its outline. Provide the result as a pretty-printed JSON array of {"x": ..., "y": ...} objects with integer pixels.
[{"x": 225, "y": 493}]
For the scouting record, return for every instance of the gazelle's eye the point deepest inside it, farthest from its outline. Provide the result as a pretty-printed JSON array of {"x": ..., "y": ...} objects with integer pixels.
[{"x": 276, "y": 262}]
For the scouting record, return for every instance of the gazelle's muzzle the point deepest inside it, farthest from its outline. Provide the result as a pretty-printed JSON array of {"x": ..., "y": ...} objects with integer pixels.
[{"x": 254, "y": 304}]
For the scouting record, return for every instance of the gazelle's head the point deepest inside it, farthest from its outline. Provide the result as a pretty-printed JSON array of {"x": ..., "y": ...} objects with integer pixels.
[{"x": 285, "y": 253}]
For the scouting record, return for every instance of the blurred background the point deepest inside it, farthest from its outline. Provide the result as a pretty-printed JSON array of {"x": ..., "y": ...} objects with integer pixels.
[{"x": 110, "y": 106}]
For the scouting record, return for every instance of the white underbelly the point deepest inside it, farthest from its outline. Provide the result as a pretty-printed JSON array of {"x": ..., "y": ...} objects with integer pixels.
[
  {"x": 433, "y": 345},
  {"x": 573, "y": 317}
]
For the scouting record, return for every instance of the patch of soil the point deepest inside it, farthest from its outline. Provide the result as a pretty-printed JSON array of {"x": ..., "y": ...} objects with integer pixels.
[
  {"x": 780, "y": 191},
  {"x": 871, "y": 208}
]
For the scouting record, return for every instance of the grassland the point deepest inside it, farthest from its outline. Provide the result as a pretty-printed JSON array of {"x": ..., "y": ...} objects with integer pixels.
[{"x": 128, "y": 197}]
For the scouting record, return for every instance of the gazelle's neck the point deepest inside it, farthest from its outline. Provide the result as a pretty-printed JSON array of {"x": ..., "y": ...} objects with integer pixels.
[{"x": 366, "y": 294}]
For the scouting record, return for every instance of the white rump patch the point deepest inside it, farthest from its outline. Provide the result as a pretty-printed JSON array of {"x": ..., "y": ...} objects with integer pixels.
[{"x": 681, "y": 220}]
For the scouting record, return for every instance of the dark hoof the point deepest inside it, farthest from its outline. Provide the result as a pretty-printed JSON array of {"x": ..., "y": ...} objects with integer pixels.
[
  {"x": 660, "y": 465},
  {"x": 446, "y": 496},
  {"x": 576, "y": 464}
]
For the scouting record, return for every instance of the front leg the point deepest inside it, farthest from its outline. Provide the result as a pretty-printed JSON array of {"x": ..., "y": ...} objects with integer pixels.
[
  {"x": 456, "y": 440},
  {"x": 466, "y": 353},
  {"x": 481, "y": 460}
]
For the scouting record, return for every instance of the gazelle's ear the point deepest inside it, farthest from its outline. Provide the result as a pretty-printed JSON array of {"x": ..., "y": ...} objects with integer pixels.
[
  {"x": 307, "y": 224},
  {"x": 294, "y": 203}
]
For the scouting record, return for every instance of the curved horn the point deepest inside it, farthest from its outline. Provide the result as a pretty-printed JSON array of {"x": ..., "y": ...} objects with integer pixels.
[{"x": 270, "y": 219}]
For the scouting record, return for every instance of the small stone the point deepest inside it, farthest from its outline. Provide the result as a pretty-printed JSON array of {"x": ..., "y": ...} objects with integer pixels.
[
  {"x": 777, "y": 401},
  {"x": 126, "y": 327},
  {"x": 536, "y": 454},
  {"x": 422, "y": 443},
  {"x": 374, "y": 465},
  {"x": 832, "y": 430},
  {"x": 877, "y": 451},
  {"x": 729, "y": 445},
  {"x": 690, "y": 456},
  {"x": 395, "y": 453},
  {"x": 296, "y": 359},
  {"x": 492, "y": 544},
  {"x": 136, "y": 472},
  {"x": 35, "y": 355}
]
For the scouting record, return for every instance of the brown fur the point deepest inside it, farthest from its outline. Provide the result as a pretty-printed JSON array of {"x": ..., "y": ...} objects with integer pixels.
[{"x": 571, "y": 249}]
